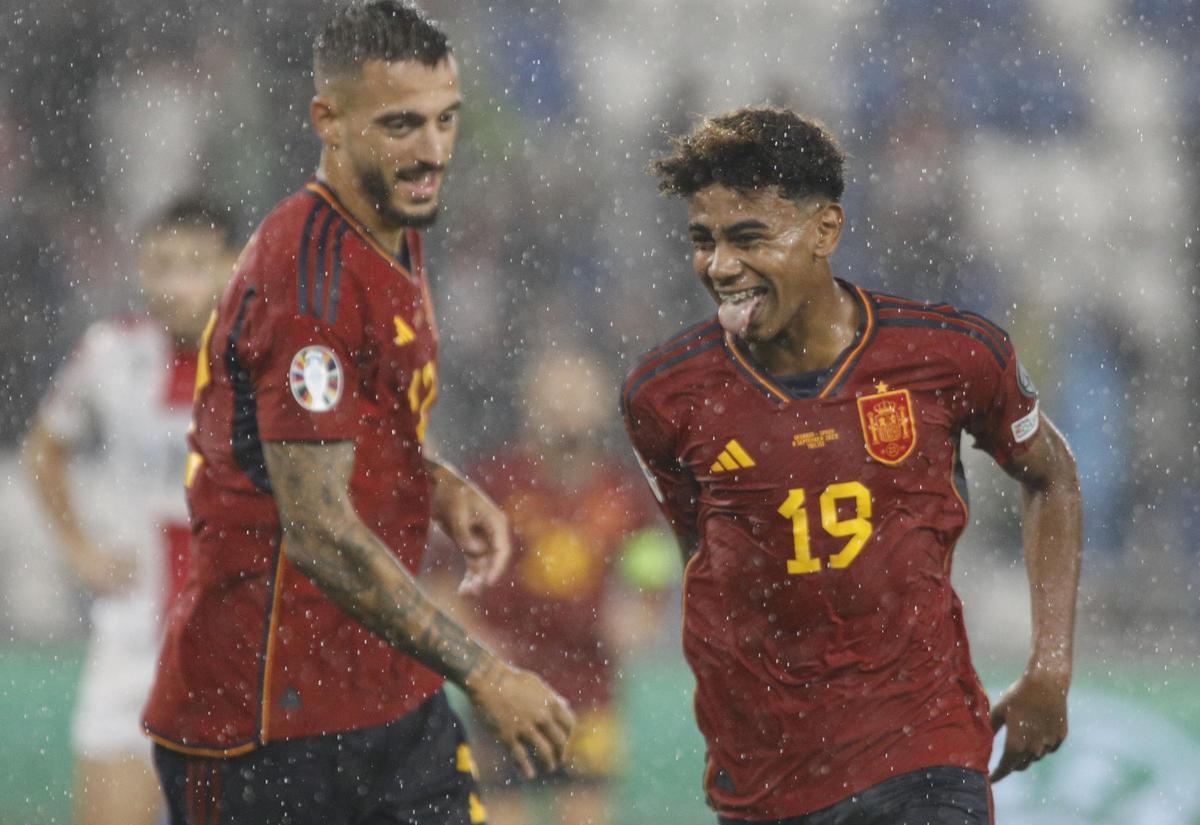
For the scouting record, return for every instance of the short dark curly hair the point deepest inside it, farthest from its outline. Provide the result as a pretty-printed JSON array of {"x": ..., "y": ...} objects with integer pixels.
[
  {"x": 388, "y": 30},
  {"x": 196, "y": 211},
  {"x": 755, "y": 148}
]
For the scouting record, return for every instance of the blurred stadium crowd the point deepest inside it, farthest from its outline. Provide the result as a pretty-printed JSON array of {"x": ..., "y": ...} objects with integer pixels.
[{"x": 1034, "y": 160}]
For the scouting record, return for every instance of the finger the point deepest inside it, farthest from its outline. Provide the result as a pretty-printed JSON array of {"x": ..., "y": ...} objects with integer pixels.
[
  {"x": 563, "y": 715},
  {"x": 522, "y": 757},
  {"x": 468, "y": 539},
  {"x": 1006, "y": 766},
  {"x": 501, "y": 544},
  {"x": 471, "y": 584},
  {"x": 476, "y": 575},
  {"x": 557, "y": 733},
  {"x": 997, "y": 717},
  {"x": 543, "y": 748}
]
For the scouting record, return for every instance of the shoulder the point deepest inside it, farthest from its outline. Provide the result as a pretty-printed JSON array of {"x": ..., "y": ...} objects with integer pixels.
[
  {"x": 295, "y": 260},
  {"x": 680, "y": 357},
  {"x": 290, "y": 227},
  {"x": 955, "y": 332}
]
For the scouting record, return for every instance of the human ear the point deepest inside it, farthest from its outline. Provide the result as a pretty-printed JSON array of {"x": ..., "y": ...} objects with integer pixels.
[
  {"x": 829, "y": 222},
  {"x": 323, "y": 110}
]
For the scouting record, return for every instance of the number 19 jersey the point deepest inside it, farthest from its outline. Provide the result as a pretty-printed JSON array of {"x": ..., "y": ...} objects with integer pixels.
[{"x": 827, "y": 642}]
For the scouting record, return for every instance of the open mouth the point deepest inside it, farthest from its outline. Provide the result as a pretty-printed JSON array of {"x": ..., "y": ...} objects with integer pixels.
[
  {"x": 743, "y": 295},
  {"x": 739, "y": 309},
  {"x": 422, "y": 186}
]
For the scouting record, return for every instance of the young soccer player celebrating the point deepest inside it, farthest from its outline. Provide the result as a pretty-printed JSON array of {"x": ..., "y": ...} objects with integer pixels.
[{"x": 804, "y": 446}]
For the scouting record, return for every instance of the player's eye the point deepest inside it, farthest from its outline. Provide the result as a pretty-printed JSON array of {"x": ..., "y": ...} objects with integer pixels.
[{"x": 447, "y": 118}]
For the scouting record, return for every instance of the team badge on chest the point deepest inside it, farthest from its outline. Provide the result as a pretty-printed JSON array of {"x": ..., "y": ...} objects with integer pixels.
[
  {"x": 889, "y": 428},
  {"x": 316, "y": 379}
]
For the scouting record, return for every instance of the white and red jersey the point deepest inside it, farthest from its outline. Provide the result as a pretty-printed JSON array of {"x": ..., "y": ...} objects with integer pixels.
[{"x": 123, "y": 400}]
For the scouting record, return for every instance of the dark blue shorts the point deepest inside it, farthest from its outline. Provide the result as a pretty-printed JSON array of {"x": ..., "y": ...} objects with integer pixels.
[
  {"x": 413, "y": 771},
  {"x": 932, "y": 796}
]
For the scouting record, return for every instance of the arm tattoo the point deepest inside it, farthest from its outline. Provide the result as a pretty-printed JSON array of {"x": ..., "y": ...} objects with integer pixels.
[{"x": 330, "y": 544}]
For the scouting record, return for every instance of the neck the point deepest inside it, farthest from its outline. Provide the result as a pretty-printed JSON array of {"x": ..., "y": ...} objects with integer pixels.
[
  {"x": 823, "y": 326},
  {"x": 342, "y": 180}
]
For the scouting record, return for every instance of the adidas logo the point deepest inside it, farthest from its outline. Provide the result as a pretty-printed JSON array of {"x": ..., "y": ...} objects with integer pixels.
[
  {"x": 733, "y": 457},
  {"x": 404, "y": 333}
]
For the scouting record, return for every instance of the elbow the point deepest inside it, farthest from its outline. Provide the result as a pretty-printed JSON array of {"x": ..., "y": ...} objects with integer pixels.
[{"x": 1065, "y": 477}]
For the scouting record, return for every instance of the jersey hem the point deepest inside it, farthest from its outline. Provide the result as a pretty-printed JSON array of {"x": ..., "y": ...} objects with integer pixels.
[{"x": 820, "y": 803}]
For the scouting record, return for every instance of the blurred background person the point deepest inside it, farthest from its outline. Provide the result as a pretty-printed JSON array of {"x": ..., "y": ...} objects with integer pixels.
[
  {"x": 584, "y": 590},
  {"x": 124, "y": 398}
]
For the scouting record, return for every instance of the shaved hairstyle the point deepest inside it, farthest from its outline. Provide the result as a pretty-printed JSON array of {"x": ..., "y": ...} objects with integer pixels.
[{"x": 386, "y": 30}]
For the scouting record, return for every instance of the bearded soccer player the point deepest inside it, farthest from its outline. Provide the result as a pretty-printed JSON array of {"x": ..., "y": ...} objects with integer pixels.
[
  {"x": 804, "y": 444},
  {"x": 302, "y": 671}
]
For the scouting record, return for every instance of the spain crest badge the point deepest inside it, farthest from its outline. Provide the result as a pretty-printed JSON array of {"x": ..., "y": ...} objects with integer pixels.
[{"x": 889, "y": 428}]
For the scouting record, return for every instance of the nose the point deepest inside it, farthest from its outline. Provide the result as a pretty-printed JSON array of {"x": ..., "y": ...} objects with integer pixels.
[
  {"x": 724, "y": 265},
  {"x": 435, "y": 145}
]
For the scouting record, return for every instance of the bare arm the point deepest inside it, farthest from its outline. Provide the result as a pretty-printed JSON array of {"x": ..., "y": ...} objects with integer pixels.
[
  {"x": 1035, "y": 708},
  {"x": 329, "y": 543},
  {"x": 48, "y": 459}
]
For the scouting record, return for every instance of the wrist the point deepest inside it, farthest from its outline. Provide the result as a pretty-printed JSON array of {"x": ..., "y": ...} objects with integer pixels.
[
  {"x": 1052, "y": 668},
  {"x": 488, "y": 670}
]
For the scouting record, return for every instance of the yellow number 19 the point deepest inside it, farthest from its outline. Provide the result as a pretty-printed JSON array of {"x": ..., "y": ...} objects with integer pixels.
[{"x": 858, "y": 529}]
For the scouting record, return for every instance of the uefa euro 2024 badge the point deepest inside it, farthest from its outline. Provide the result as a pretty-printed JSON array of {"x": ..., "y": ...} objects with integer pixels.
[{"x": 316, "y": 378}]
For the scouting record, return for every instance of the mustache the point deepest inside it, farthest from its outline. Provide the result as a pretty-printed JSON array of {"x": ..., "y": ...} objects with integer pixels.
[{"x": 419, "y": 169}]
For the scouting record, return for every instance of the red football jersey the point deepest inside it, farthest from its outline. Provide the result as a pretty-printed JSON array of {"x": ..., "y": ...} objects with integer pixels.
[
  {"x": 322, "y": 335},
  {"x": 827, "y": 642},
  {"x": 547, "y": 609}
]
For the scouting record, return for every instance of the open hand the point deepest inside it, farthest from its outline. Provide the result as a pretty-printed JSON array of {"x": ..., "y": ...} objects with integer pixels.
[{"x": 526, "y": 715}]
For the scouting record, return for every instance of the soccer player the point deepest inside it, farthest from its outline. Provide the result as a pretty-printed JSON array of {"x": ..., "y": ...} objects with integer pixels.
[
  {"x": 301, "y": 674},
  {"x": 124, "y": 398},
  {"x": 580, "y": 521},
  {"x": 804, "y": 445}
]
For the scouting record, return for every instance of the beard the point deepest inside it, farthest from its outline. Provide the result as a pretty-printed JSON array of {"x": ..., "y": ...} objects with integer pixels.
[{"x": 379, "y": 191}]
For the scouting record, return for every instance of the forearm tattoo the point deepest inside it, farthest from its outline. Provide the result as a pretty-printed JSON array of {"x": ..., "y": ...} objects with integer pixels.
[{"x": 330, "y": 544}]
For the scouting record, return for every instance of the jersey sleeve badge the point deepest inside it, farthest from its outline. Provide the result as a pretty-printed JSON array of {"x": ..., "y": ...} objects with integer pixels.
[
  {"x": 888, "y": 425},
  {"x": 316, "y": 378}
]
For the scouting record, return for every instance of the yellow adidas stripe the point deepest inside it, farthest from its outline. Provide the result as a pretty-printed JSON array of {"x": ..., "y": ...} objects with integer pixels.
[{"x": 739, "y": 455}]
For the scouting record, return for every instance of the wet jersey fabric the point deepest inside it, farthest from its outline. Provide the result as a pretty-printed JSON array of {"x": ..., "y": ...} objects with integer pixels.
[
  {"x": 819, "y": 619},
  {"x": 547, "y": 610},
  {"x": 322, "y": 335}
]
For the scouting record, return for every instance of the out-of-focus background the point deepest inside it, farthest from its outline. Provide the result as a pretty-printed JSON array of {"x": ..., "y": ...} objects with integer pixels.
[{"x": 1034, "y": 160}]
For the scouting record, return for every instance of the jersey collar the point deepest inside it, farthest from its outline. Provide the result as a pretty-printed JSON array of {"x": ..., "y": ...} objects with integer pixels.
[
  {"x": 326, "y": 193},
  {"x": 838, "y": 372}
]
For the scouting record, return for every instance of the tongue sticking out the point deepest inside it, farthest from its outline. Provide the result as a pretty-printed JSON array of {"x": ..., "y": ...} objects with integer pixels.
[{"x": 735, "y": 317}]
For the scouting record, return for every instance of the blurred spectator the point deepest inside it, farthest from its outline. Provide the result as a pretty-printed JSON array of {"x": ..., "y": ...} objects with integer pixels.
[{"x": 583, "y": 589}]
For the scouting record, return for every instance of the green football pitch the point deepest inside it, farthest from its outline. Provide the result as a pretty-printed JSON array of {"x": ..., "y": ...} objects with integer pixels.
[
  {"x": 1134, "y": 723},
  {"x": 37, "y": 694}
]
